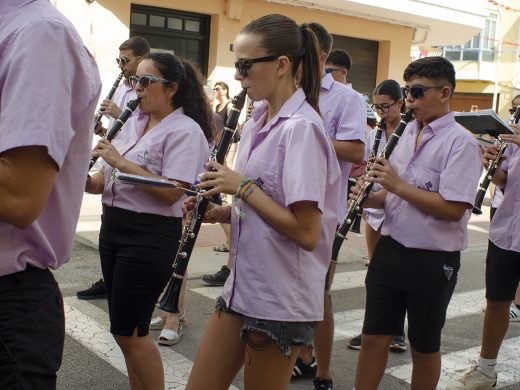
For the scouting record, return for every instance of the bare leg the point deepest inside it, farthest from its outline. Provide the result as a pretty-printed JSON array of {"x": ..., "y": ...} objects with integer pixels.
[
  {"x": 143, "y": 361},
  {"x": 496, "y": 322},
  {"x": 372, "y": 361},
  {"x": 517, "y": 296},
  {"x": 221, "y": 347},
  {"x": 426, "y": 370},
  {"x": 267, "y": 368}
]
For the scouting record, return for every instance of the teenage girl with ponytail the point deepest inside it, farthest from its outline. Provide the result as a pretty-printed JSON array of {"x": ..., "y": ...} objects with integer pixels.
[
  {"x": 141, "y": 226},
  {"x": 286, "y": 190}
]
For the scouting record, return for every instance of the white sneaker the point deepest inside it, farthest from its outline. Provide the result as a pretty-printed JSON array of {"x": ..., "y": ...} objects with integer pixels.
[
  {"x": 514, "y": 313},
  {"x": 473, "y": 380}
]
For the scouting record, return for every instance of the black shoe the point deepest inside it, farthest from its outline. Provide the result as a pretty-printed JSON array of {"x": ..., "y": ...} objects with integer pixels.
[
  {"x": 355, "y": 343},
  {"x": 304, "y": 371},
  {"x": 322, "y": 384},
  {"x": 218, "y": 278},
  {"x": 96, "y": 291}
]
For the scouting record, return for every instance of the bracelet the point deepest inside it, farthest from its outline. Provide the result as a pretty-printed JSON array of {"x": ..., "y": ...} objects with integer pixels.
[
  {"x": 248, "y": 192},
  {"x": 244, "y": 189},
  {"x": 240, "y": 186}
]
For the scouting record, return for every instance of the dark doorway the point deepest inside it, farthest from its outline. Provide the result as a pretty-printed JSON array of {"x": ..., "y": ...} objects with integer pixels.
[{"x": 184, "y": 33}]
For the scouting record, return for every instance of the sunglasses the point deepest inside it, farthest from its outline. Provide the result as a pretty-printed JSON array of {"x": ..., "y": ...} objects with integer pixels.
[
  {"x": 145, "y": 81},
  {"x": 512, "y": 110},
  {"x": 123, "y": 60},
  {"x": 216, "y": 89},
  {"x": 242, "y": 66},
  {"x": 329, "y": 70},
  {"x": 384, "y": 108},
  {"x": 418, "y": 91}
]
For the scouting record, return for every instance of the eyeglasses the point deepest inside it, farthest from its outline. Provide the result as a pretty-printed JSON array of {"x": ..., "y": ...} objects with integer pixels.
[
  {"x": 145, "y": 81},
  {"x": 123, "y": 60},
  {"x": 418, "y": 91},
  {"x": 512, "y": 110},
  {"x": 242, "y": 66},
  {"x": 384, "y": 108},
  {"x": 329, "y": 70},
  {"x": 216, "y": 89}
]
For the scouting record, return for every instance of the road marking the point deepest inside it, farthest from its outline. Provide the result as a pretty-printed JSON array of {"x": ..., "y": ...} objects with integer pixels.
[{"x": 99, "y": 340}]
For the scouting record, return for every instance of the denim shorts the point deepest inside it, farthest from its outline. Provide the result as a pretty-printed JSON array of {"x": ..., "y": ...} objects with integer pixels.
[{"x": 284, "y": 333}]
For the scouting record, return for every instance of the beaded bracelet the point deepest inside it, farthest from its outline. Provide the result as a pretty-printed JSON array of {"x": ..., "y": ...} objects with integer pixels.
[
  {"x": 240, "y": 186},
  {"x": 244, "y": 189}
]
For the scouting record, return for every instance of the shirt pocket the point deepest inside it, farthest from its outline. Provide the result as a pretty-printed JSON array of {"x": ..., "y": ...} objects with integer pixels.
[{"x": 427, "y": 179}]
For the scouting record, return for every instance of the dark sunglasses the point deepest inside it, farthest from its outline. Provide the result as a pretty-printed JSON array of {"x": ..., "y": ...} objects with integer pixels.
[
  {"x": 329, "y": 70},
  {"x": 123, "y": 61},
  {"x": 242, "y": 66},
  {"x": 145, "y": 81},
  {"x": 512, "y": 110},
  {"x": 384, "y": 108},
  {"x": 418, "y": 91}
]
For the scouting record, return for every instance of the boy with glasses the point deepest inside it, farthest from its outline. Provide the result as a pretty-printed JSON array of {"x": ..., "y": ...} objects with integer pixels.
[
  {"x": 427, "y": 207},
  {"x": 338, "y": 65},
  {"x": 131, "y": 52}
]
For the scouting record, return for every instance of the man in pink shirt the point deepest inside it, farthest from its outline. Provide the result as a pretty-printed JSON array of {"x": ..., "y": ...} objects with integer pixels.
[
  {"x": 50, "y": 86},
  {"x": 427, "y": 207},
  {"x": 344, "y": 117},
  {"x": 131, "y": 52}
]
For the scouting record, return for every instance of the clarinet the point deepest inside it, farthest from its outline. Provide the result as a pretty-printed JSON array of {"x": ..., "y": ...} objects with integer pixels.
[
  {"x": 116, "y": 128},
  {"x": 354, "y": 208},
  {"x": 170, "y": 299},
  {"x": 492, "y": 168},
  {"x": 99, "y": 114}
]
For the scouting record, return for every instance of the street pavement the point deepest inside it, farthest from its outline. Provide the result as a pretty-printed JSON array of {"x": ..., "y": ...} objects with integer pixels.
[{"x": 92, "y": 360}]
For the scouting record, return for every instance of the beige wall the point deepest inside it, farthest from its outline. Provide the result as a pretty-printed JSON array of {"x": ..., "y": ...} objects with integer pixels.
[{"x": 104, "y": 25}]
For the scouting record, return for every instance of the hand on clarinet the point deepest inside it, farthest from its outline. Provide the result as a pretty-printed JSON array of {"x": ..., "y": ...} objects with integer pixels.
[
  {"x": 214, "y": 213},
  {"x": 108, "y": 107},
  {"x": 219, "y": 179},
  {"x": 107, "y": 152},
  {"x": 512, "y": 138},
  {"x": 382, "y": 173}
]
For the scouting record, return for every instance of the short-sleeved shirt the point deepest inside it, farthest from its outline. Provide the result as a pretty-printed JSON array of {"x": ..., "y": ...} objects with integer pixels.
[
  {"x": 293, "y": 160},
  {"x": 49, "y": 87},
  {"x": 344, "y": 113},
  {"x": 124, "y": 93},
  {"x": 176, "y": 148},
  {"x": 447, "y": 161},
  {"x": 504, "y": 231},
  {"x": 375, "y": 217}
]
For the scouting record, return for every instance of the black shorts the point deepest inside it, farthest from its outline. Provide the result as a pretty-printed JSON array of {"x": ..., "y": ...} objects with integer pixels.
[
  {"x": 137, "y": 252},
  {"x": 407, "y": 281},
  {"x": 32, "y": 330},
  {"x": 502, "y": 273}
]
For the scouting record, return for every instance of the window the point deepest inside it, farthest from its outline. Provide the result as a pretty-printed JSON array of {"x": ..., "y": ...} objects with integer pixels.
[{"x": 480, "y": 48}]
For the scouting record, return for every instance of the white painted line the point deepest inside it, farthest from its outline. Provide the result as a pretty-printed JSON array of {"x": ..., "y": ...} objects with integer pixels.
[
  {"x": 100, "y": 341},
  {"x": 346, "y": 280},
  {"x": 455, "y": 364},
  {"x": 208, "y": 292}
]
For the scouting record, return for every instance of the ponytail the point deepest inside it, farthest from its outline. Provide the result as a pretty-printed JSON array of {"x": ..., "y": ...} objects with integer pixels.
[{"x": 311, "y": 74}]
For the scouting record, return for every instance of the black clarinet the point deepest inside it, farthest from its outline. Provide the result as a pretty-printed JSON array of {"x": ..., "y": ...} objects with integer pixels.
[
  {"x": 116, "y": 128},
  {"x": 170, "y": 299},
  {"x": 99, "y": 114},
  {"x": 492, "y": 168},
  {"x": 354, "y": 208}
]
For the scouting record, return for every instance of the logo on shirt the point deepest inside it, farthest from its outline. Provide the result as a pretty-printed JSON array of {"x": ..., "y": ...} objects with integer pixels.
[
  {"x": 429, "y": 185},
  {"x": 143, "y": 158},
  {"x": 260, "y": 183}
]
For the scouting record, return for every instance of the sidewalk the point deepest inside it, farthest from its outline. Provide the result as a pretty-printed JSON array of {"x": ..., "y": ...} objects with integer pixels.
[{"x": 205, "y": 260}]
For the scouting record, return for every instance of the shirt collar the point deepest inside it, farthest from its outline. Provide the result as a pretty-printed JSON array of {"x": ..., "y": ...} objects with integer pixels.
[
  {"x": 327, "y": 81},
  {"x": 438, "y": 124},
  {"x": 6, "y": 6}
]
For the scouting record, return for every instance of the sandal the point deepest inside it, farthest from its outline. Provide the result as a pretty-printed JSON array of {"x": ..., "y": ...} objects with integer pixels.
[
  {"x": 221, "y": 248},
  {"x": 170, "y": 337},
  {"x": 157, "y": 323}
]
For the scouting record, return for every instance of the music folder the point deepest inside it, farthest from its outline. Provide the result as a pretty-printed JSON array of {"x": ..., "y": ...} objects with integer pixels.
[{"x": 483, "y": 122}]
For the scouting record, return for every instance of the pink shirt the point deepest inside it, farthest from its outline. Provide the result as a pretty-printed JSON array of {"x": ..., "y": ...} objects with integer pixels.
[
  {"x": 447, "y": 161},
  {"x": 293, "y": 160},
  {"x": 176, "y": 148},
  {"x": 50, "y": 87},
  {"x": 504, "y": 231},
  {"x": 344, "y": 113},
  {"x": 124, "y": 93}
]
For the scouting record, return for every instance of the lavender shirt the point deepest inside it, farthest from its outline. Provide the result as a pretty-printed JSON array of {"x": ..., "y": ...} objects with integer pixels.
[
  {"x": 176, "y": 148},
  {"x": 124, "y": 93},
  {"x": 447, "y": 161},
  {"x": 504, "y": 231},
  {"x": 291, "y": 156},
  {"x": 49, "y": 86},
  {"x": 344, "y": 113}
]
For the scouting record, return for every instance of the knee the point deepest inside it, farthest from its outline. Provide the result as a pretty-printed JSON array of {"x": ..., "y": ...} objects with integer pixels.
[{"x": 375, "y": 343}]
